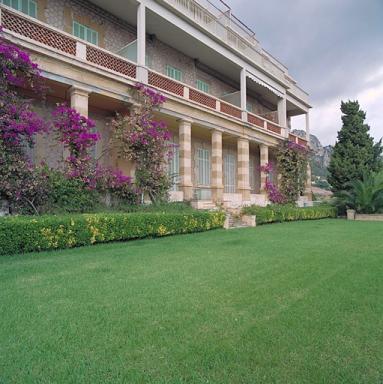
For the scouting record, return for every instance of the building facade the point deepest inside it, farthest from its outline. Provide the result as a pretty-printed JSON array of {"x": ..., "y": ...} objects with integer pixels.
[{"x": 229, "y": 102}]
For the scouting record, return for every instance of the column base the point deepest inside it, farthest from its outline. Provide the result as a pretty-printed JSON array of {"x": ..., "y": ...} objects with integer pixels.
[
  {"x": 245, "y": 194},
  {"x": 188, "y": 192},
  {"x": 217, "y": 194}
]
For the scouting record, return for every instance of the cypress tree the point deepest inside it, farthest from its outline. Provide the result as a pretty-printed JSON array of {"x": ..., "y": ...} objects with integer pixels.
[{"x": 355, "y": 153}]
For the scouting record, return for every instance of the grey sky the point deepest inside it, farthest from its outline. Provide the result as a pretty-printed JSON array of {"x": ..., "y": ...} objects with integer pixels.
[{"x": 333, "y": 48}]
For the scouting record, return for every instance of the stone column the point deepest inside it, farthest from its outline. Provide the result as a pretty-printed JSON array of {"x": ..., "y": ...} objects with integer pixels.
[
  {"x": 185, "y": 146},
  {"x": 243, "y": 181},
  {"x": 79, "y": 100},
  {"x": 264, "y": 159},
  {"x": 307, "y": 116},
  {"x": 217, "y": 179},
  {"x": 308, "y": 188},
  {"x": 282, "y": 112},
  {"x": 243, "y": 83},
  {"x": 142, "y": 71}
]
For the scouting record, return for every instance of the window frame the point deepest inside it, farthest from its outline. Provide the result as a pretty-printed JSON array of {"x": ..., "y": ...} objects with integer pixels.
[
  {"x": 202, "y": 86},
  {"x": 174, "y": 167},
  {"x": 230, "y": 174},
  {"x": 20, "y": 6},
  {"x": 203, "y": 166},
  {"x": 87, "y": 30},
  {"x": 169, "y": 69}
]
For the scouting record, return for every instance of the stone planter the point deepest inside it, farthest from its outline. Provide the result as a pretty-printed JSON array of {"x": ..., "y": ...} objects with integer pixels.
[
  {"x": 249, "y": 220},
  {"x": 374, "y": 217},
  {"x": 4, "y": 208},
  {"x": 350, "y": 214}
]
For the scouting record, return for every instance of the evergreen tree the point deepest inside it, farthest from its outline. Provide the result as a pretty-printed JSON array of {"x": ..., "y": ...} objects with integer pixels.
[{"x": 355, "y": 153}]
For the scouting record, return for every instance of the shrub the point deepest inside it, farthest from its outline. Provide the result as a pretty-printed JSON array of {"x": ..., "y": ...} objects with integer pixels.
[
  {"x": 280, "y": 213},
  {"x": 365, "y": 196},
  {"x": 69, "y": 195},
  {"x": 25, "y": 234}
]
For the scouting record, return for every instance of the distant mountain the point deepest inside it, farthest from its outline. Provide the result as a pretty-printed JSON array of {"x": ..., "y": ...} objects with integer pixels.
[{"x": 320, "y": 159}]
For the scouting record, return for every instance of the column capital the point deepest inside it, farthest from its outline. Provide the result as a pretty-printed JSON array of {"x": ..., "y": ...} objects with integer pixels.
[
  {"x": 243, "y": 139},
  {"x": 81, "y": 91},
  {"x": 184, "y": 120}
]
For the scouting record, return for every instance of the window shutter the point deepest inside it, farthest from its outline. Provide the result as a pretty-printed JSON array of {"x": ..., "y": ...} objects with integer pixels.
[{"x": 85, "y": 33}]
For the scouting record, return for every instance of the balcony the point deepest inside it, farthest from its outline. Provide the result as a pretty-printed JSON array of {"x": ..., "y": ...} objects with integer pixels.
[
  {"x": 32, "y": 30},
  {"x": 216, "y": 18}
]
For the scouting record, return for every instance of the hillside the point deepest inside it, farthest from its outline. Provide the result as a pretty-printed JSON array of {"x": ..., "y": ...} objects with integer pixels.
[{"x": 320, "y": 159}]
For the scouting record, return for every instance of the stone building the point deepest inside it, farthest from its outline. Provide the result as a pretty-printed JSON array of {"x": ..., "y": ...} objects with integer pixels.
[{"x": 229, "y": 102}]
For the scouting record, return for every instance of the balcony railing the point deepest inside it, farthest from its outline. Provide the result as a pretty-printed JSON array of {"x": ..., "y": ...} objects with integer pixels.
[
  {"x": 217, "y": 19},
  {"x": 298, "y": 140},
  {"x": 67, "y": 44}
]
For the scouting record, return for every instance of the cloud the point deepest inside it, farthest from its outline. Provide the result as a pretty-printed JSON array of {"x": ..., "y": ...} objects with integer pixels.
[
  {"x": 333, "y": 48},
  {"x": 326, "y": 118}
]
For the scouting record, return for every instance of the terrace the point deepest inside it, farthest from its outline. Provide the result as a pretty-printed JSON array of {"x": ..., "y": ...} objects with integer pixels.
[{"x": 22, "y": 27}]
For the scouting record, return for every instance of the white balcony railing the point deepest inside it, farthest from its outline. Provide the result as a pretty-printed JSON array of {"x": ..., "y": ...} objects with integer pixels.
[{"x": 216, "y": 17}]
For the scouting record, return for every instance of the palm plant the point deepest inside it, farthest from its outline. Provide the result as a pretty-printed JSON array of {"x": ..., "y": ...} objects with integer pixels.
[{"x": 364, "y": 196}]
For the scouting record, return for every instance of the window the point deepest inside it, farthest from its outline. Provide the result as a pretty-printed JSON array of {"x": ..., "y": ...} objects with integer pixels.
[
  {"x": 85, "y": 33},
  {"x": 174, "y": 168},
  {"x": 202, "y": 86},
  {"x": 29, "y": 7},
  {"x": 249, "y": 107},
  {"x": 203, "y": 164},
  {"x": 174, "y": 73},
  {"x": 252, "y": 173},
  {"x": 229, "y": 173}
]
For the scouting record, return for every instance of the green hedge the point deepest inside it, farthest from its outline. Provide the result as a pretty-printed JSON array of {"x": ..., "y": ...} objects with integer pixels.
[
  {"x": 27, "y": 234},
  {"x": 280, "y": 213}
]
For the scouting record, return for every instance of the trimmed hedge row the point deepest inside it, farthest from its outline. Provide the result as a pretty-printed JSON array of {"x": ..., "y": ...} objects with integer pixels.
[
  {"x": 28, "y": 234},
  {"x": 280, "y": 213}
]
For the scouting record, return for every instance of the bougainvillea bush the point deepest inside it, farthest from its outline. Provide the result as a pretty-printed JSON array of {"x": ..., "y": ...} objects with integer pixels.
[
  {"x": 292, "y": 166},
  {"x": 144, "y": 140},
  {"x": 30, "y": 188},
  {"x": 273, "y": 193},
  {"x": 21, "y": 184}
]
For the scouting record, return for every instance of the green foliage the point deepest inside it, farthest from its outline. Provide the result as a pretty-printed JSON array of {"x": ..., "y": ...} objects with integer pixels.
[
  {"x": 354, "y": 154},
  {"x": 292, "y": 166},
  {"x": 69, "y": 195},
  {"x": 281, "y": 213},
  {"x": 365, "y": 196},
  {"x": 26, "y": 234}
]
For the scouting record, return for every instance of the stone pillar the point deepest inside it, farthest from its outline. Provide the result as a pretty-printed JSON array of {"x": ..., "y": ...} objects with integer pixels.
[
  {"x": 264, "y": 159},
  {"x": 142, "y": 71},
  {"x": 243, "y": 180},
  {"x": 307, "y": 116},
  {"x": 243, "y": 83},
  {"x": 289, "y": 123},
  {"x": 79, "y": 100},
  {"x": 282, "y": 112},
  {"x": 185, "y": 146},
  {"x": 308, "y": 188},
  {"x": 217, "y": 178}
]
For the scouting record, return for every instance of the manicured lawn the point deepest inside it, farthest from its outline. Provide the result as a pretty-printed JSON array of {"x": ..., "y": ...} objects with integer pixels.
[{"x": 285, "y": 303}]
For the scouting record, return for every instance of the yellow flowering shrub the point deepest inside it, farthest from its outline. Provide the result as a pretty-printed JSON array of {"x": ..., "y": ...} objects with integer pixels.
[{"x": 26, "y": 234}]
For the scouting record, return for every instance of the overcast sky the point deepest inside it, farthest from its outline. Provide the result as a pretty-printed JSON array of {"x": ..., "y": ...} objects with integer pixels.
[{"x": 333, "y": 48}]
